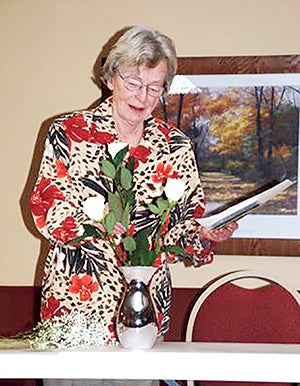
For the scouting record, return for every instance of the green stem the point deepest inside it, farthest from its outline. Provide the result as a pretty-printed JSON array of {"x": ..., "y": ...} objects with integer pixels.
[{"x": 163, "y": 221}]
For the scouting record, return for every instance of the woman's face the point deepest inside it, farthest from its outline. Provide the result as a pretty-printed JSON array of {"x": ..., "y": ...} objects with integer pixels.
[{"x": 136, "y": 92}]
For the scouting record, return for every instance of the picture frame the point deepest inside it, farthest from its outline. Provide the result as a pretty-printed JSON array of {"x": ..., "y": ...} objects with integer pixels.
[{"x": 278, "y": 64}]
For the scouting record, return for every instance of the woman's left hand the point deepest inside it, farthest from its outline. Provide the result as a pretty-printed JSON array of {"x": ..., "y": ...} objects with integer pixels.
[{"x": 220, "y": 234}]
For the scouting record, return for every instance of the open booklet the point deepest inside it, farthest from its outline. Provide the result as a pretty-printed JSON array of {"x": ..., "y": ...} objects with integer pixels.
[{"x": 242, "y": 208}]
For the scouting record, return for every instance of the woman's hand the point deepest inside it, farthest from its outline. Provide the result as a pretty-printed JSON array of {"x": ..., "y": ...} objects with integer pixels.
[{"x": 220, "y": 234}]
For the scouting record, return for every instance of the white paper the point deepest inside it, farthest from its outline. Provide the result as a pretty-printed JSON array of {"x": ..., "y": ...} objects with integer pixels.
[{"x": 241, "y": 209}]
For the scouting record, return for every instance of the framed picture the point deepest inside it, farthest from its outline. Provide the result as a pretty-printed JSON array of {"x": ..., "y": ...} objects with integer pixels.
[{"x": 242, "y": 114}]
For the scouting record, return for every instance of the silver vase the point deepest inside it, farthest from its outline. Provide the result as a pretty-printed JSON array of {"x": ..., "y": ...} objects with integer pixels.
[{"x": 136, "y": 320}]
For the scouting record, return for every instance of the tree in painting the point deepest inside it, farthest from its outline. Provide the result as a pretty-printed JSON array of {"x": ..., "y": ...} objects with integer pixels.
[{"x": 244, "y": 138}]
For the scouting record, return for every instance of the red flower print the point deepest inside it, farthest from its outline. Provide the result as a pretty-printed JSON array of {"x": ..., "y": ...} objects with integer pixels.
[
  {"x": 206, "y": 257},
  {"x": 77, "y": 129},
  {"x": 67, "y": 231},
  {"x": 166, "y": 131},
  {"x": 160, "y": 317},
  {"x": 163, "y": 173},
  {"x": 48, "y": 308},
  {"x": 101, "y": 137},
  {"x": 199, "y": 211},
  {"x": 189, "y": 250},
  {"x": 157, "y": 261},
  {"x": 42, "y": 199},
  {"x": 83, "y": 286},
  {"x": 52, "y": 308},
  {"x": 171, "y": 258},
  {"x": 139, "y": 153},
  {"x": 61, "y": 170},
  {"x": 112, "y": 328}
]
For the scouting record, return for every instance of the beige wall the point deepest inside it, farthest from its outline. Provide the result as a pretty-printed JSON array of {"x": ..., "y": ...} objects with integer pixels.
[{"x": 47, "y": 50}]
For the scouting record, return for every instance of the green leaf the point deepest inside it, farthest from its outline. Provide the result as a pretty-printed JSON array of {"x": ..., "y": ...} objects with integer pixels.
[
  {"x": 131, "y": 198},
  {"x": 129, "y": 244},
  {"x": 126, "y": 216},
  {"x": 110, "y": 221},
  {"x": 115, "y": 205},
  {"x": 127, "y": 197},
  {"x": 174, "y": 249},
  {"x": 143, "y": 243},
  {"x": 141, "y": 250},
  {"x": 162, "y": 204},
  {"x": 118, "y": 180},
  {"x": 89, "y": 231},
  {"x": 119, "y": 158},
  {"x": 148, "y": 259},
  {"x": 131, "y": 164},
  {"x": 126, "y": 178},
  {"x": 153, "y": 208},
  {"x": 92, "y": 230},
  {"x": 108, "y": 168},
  {"x": 147, "y": 231}
]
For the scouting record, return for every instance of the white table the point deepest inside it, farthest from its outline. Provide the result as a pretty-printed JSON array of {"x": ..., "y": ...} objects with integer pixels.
[{"x": 167, "y": 360}]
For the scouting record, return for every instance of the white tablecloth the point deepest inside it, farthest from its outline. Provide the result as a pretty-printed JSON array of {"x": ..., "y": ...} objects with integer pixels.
[{"x": 167, "y": 360}]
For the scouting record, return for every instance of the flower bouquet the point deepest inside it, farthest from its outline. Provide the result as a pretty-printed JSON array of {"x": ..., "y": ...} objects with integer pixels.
[
  {"x": 111, "y": 216},
  {"x": 138, "y": 245}
]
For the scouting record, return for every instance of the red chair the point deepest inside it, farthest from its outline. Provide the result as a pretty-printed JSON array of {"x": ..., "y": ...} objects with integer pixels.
[{"x": 227, "y": 312}]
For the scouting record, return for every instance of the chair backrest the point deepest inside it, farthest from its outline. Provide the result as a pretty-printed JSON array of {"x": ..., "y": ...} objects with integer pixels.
[{"x": 226, "y": 312}]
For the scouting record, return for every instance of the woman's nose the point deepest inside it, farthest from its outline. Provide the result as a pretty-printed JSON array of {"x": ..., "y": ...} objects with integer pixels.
[{"x": 142, "y": 94}]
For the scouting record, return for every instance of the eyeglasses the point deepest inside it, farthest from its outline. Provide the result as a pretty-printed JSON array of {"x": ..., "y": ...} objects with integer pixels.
[{"x": 134, "y": 84}]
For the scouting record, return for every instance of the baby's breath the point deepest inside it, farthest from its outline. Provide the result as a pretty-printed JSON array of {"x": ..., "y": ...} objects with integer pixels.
[
  {"x": 71, "y": 330},
  {"x": 67, "y": 331}
]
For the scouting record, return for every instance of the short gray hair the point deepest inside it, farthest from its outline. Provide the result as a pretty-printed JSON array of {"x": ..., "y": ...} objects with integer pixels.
[{"x": 140, "y": 45}]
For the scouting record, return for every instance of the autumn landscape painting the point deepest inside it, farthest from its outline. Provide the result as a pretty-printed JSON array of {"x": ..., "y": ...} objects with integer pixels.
[{"x": 245, "y": 137}]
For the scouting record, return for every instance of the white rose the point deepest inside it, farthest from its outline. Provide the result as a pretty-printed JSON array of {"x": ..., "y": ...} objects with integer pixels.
[
  {"x": 93, "y": 207},
  {"x": 174, "y": 189},
  {"x": 115, "y": 147}
]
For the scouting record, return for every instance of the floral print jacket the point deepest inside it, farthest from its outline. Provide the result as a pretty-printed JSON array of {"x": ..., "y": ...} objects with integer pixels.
[{"x": 85, "y": 278}]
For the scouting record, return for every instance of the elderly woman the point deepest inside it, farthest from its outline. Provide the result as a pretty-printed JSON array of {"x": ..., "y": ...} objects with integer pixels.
[{"x": 83, "y": 281}]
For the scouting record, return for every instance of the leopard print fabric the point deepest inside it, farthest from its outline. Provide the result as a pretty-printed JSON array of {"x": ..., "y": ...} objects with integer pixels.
[{"x": 86, "y": 277}]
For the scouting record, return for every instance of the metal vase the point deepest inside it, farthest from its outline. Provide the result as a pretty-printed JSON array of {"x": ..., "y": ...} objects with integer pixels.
[{"x": 136, "y": 321}]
